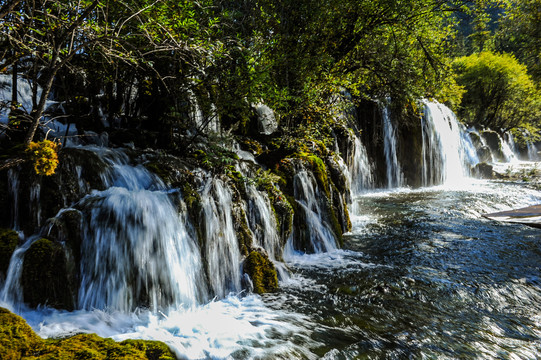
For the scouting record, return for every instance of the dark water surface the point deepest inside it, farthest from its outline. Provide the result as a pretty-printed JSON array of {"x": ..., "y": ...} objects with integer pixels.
[{"x": 423, "y": 275}]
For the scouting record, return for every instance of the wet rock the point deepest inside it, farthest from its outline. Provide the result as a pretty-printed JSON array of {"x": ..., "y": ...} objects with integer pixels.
[
  {"x": 261, "y": 271},
  {"x": 484, "y": 154},
  {"x": 8, "y": 243},
  {"x": 483, "y": 171},
  {"x": 45, "y": 278},
  {"x": 494, "y": 142}
]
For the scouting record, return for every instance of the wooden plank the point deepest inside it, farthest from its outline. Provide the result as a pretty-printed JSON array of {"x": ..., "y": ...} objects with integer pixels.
[{"x": 530, "y": 216}]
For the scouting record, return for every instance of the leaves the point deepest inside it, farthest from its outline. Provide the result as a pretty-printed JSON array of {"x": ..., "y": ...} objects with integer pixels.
[{"x": 44, "y": 155}]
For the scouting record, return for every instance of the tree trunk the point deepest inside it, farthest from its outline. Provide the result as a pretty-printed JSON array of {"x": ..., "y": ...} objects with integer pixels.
[{"x": 37, "y": 112}]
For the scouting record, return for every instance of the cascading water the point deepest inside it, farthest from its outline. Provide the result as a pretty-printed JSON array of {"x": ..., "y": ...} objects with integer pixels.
[
  {"x": 136, "y": 249},
  {"x": 306, "y": 195},
  {"x": 533, "y": 154},
  {"x": 448, "y": 152},
  {"x": 13, "y": 187},
  {"x": 360, "y": 169},
  {"x": 395, "y": 177},
  {"x": 137, "y": 252},
  {"x": 508, "y": 148},
  {"x": 222, "y": 251}
]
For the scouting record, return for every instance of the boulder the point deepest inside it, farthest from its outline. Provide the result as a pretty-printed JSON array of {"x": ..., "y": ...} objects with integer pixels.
[{"x": 483, "y": 171}]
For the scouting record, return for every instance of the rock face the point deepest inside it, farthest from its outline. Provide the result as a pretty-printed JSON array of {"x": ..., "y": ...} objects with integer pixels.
[
  {"x": 494, "y": 142},
  {"x": 483, "y": 171},
  {"x": 47, "y": 276},
  {"x": 9, "y": 240}
]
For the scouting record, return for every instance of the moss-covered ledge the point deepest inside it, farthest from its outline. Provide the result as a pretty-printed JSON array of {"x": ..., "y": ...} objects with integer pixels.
[{"x": 19, "y": 341}]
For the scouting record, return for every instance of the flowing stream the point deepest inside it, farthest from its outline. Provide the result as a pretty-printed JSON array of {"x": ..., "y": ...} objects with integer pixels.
[{"x": 422, "y": 274}]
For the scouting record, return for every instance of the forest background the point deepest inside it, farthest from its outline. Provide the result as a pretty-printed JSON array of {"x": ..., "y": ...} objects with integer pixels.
[{"x": 140, "y": 67}]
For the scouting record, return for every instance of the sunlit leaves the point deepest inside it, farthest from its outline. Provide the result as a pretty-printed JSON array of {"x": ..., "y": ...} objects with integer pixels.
[{"x": 498, "y": 91}]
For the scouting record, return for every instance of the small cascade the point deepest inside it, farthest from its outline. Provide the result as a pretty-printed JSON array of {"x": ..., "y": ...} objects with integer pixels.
[
  {"x": 306, "y": 194},
  {"x": 262, "y": 222},
  {"x": 360, "y": 169},
  {"x": 221, "y": 245},
  {"x": 448, "y": 152},
  {"x": 35, "y": 204},
  {"x": 532, "y": 152},
  {"x": 11, "y": 292},
  {"x": 13, "y": 187},
  {"x": 137, "y": 252},
  {"x": 508, "y": 148},
  {"x": 395, "y": 177}
]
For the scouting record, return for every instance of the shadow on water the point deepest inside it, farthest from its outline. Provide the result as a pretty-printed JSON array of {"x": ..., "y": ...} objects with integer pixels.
[{"x": 427, "y": 277}]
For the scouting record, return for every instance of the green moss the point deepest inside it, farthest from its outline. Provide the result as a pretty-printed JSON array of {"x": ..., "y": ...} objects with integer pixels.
[
  {"x": 45, "y": 276},
  {"x": 154, "y": 350},
  {"x": 19, "y": 341},
  {"x": 8, "y": 242},
  {"x": 262, "y": 272},
  {"x": 319, "y": 169}
]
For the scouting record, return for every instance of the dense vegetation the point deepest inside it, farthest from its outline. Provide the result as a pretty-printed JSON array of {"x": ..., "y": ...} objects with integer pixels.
[{"x": 174, "y": 67}]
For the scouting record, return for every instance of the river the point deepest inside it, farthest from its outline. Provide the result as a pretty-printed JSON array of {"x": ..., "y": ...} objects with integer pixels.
[{"x": 421, "y": 275}]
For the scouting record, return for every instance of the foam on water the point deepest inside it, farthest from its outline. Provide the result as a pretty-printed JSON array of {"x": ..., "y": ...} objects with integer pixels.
[{"x": 243, "y": 327}]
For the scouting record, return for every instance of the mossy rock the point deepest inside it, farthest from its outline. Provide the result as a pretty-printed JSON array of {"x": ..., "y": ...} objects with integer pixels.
[
  {"x": 91, "y": 346},
  {"x": 8, "y": 243},
  {"x": 262, "y": 272},
  {"x": 19, "y": 341},
  {"x": 45, "y": 276}
]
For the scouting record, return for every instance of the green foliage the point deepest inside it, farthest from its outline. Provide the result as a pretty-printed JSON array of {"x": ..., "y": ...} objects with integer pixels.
[
  {"x": 520, "y": 33},
  {"x": 499, "y": 93}
]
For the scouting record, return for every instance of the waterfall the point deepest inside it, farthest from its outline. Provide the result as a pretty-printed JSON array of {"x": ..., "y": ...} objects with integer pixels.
[
  {"x": 508, "y": 148},
  {"x": 13, "y": 188},
  {"x": 262, "y": 222},
  {"x": 136, "y": 249},
  {"x": 532, "y": 152},
  {"x": 447, "y": 151},
  {"x": 360, "y": 169},
  {"x": 12, "y": 291},
  {"x": 221, "y": 245},
  {"x": 306, "y": 194},
  {"x": 395, "y": 178}
]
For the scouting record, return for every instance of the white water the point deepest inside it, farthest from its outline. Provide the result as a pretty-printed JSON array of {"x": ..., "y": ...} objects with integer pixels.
[
  {"x": 395, "y": 178},
  {"x": 137, "y": 252},
  {"x": 307, "y": 194},
  {"x": 361, "y": 172},
  {"x": 448, "y": 152},
  {"x": 222, "y": 251},
  {"x": 13, "y": 188}
]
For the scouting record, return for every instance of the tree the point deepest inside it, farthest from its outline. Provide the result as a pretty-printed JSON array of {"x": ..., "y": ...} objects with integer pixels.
[
  {"x": 520, "y": 33},
  {"x": 499, "y": 93}
]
